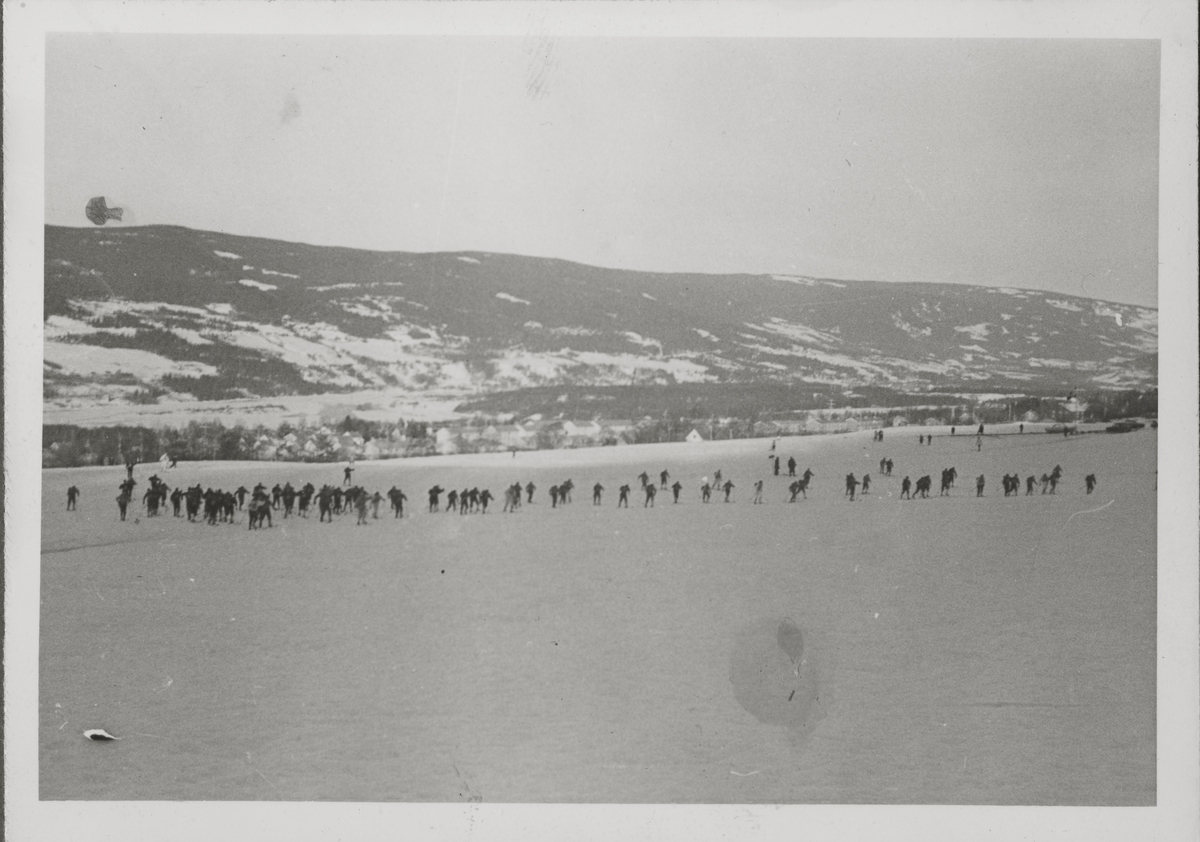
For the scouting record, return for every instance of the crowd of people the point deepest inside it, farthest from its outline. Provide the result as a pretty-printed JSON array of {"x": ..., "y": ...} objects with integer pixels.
[{"x": 214, "y": 506}]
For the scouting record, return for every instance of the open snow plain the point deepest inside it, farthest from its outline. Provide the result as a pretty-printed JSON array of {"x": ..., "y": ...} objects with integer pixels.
[{"x": 955, "y": 650}]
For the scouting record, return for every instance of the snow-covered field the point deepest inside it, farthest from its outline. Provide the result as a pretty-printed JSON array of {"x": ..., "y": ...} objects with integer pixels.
[{"x": 955, "y": 650}]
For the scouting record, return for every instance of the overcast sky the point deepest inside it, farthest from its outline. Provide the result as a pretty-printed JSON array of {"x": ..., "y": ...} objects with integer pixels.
[{"x": 1005, "y": 162}]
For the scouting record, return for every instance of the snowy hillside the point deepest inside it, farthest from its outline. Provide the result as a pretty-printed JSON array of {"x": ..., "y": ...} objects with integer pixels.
[{"x": 180, "y": 314}]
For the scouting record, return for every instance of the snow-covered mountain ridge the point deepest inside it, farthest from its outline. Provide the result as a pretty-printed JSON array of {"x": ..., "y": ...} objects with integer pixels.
[{"x": 174, "y": 312}]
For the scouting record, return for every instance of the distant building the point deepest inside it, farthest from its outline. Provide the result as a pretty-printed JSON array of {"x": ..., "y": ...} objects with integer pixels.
[{"x": 694, "y": 437}]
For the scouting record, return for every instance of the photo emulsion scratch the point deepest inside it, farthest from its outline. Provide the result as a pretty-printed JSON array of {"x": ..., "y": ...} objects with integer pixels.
[{"x": 549, "y": 419}]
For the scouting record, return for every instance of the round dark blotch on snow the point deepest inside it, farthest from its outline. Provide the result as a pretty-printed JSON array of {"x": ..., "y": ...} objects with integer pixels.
[{"x": 777, "y": 674}]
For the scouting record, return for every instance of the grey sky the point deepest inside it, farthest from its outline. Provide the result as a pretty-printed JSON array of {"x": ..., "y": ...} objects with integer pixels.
[{"x": 1010, "y": 162}]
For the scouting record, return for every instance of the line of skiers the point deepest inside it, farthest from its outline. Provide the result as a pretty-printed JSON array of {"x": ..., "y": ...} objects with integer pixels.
[{"x": 217, "y": 505}]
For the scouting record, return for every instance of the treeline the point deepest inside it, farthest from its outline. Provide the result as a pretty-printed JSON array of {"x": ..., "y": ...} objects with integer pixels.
[
  {"x": 69, "y": 446},
  {"x": 704, "y": 401},
  {"x": 65, "y": 445}
]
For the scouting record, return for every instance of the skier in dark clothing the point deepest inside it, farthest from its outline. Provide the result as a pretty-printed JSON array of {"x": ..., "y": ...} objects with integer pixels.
[
  {"x": 791, "y": 466},
  {"x": 676, "y": 488},
  {"x": 623, "y": 499},
  {"x": 72, "y": 495}
]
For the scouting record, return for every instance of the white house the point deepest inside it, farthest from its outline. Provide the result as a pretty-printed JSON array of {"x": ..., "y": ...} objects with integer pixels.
[{"x": 694, "y": 437}]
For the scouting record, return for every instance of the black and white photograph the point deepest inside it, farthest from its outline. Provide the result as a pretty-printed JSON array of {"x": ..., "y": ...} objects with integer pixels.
[{"x": 650, "y": 420}]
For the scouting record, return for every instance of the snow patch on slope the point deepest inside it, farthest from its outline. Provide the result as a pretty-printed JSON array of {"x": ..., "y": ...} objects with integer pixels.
[
  {"x": 1059, "y": 304},
  {"x": 87, "y": 360},
  {"x": 246, "y": 282},
  {"x": 504, "y": 296},
  {"x": 799, "y": 333},
  {"x": 976, "y": 332}
]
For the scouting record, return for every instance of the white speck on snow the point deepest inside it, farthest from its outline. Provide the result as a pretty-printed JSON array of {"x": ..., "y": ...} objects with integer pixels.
[
  {"x": 227, "y": 254},
  {"x": 504, "y": 296},
  {"x": 281, "y": 274},
  {"x": 468, "y": 259},
  {"x": 648, "y": 295},
  {"x": 223, "y": 309}
]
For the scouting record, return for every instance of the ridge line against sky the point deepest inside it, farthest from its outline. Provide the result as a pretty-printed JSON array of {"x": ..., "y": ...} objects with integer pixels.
[
  {"x": 1022, "y": 163},
  {"x": 781, "y": 277}
]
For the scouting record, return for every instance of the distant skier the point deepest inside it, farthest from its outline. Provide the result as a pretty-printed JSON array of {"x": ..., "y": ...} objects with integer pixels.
[
  {"x": 758, "y": 486},
  {"x": 664, "y": 476},
  {"x": 644, "y": 477},
  {"x": 905, "y": 489},
  {"x": 1029, "y": 483},
  {"x": 727, "y": 487},
  {"x": 72, "y": 495},
  {"x": 650, "y": 492},
  {"x": 346, "y": 472},
  {"x": 866, "y": 483},
  {"x": 791, "y": 463},
  {"x": 851, "y": 486},
  {"x": 676, "y": 488},
  {"x": 529, "y": 489},
  {"x": 434, "y": 494},
  {"x": 979, "y": 485},
  {"x": 705, "y": 493},
  {"x": 597, "y": 490},
  {"x": 623, "y": 499},
  {"x": 1090, "y": 482},
  {"x": 776, "y": 466}
]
